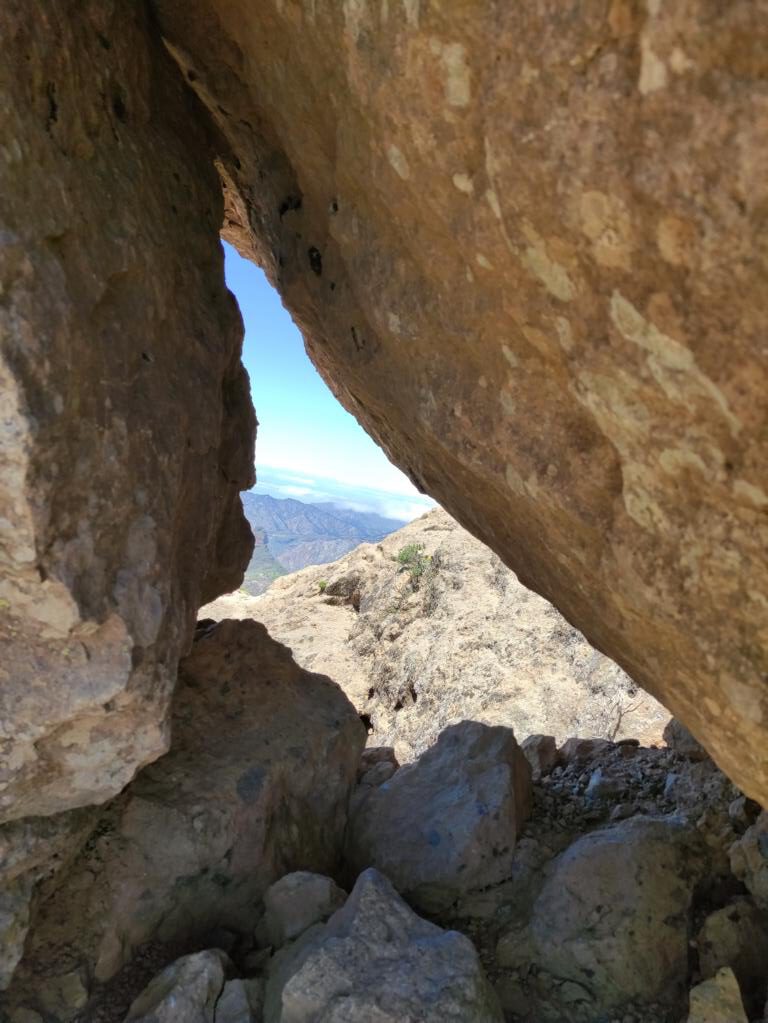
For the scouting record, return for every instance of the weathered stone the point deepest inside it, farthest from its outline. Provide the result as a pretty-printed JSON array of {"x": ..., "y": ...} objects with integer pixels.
[
  {"x": 541, "y": 753},
  {"x": 187, "y": 991},
  {"x": 297, "y": 901},
  {"x": 256, "y": 784},
  {"x": 749, "y": 859},
  {"x": 31, "y": 850},
  {"x": 375, "y": 755},
  {"x": 241, "y": 1001},
  {"x": 513, "y": 239},
  {"x": 612, "y": 919},
  {"x": 737, "y": 936},
  {"x": 375, "y": 961},
  {"x": 679, "y": 738},
  {"x": 576, "y": 750},
  {"x": 448, "y": 822},
  {"x": 717, "y": 1000},
  {"x": 127, "y": 429}
]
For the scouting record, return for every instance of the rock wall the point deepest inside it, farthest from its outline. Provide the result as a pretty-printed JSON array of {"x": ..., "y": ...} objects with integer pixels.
[
  {"x": 526, "y": 245},
  {"x": 125, "y": 419}
]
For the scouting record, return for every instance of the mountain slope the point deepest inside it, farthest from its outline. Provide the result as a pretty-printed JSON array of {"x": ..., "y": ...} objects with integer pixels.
[
  {"x": 428, "y": 627},
  {"x": 295, "y": 534}
]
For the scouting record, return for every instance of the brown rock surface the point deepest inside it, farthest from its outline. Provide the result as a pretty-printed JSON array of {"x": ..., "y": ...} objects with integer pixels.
[
  {"x": 527, "y": 249},
  {"x": 126, "y": 429},
  {"x": 464, "y": 641},
  {"x": 256, "y": 784}
]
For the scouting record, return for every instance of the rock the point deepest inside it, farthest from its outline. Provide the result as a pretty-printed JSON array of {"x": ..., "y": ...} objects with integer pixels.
[
  {"x": 602, "y": 786},
  {"x": 32, "y": 850},
  {"x": 737, "y": 936},
  {"x": 611, "y": 918},
  {"x": 577, "y": 751},
  {"x": 378, "y": 774},
  {"x": 590, "y": 431},
  {"x": 749, "y": 859},
  {"x": 119, "y": 491},
  {"x": 717, "y": 1000},
  {"x": 680, "y": 739},
  {"x": 257, "y": 783},
  {"x": 471, "y": 643},
  {"x": 297, "y": 901},
  {"x": 375, "y": 755},
  {"x": 187, "y": 991},
  {"x": 449, "y": 822},
  {"x": 241, "y": 1001},
  {"x": 376, "y": 960},
  {"x": 541, "y": 753}
]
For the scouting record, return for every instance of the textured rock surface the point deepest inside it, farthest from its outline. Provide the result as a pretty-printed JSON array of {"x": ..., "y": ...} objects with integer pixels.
[
  {"x": 256, "y": 785},
  {"x": 749, "y": 859},
  {"x": 109, "y": 476},
  {"x": 185, "y": 992},
  {"x": 609, "y": 926},
  {"x": 717, "y": 1000},
  {"x": 465, "y": 641},
  {"x": 297, "y": 901},
  {"x": 375, "y": 961},
  {"x": 528, "y": 252},
  {"x": 448, "y": 822}
]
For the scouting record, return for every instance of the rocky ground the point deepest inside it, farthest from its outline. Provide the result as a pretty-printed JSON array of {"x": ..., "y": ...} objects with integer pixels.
[
  {"x": 428, "y": 628},
  {"x": 597, "y": 882}
]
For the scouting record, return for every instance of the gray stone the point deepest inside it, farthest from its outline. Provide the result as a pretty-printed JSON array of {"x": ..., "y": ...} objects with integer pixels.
[
  {"x": 448, "y": 822},
  {"x": 612, "y": 916},
  {"x": 737, "y": 936},
  {"x": 297, "y": 901},
  {"x": 576, "y": 750},
  {"x": 541, "y": 753},
  {"x": 749, "y": 859},
  {"x": 682, "y": 741},
  {"x": 185, "y": 992},
  {"x": 241, "y": 1001},
  {"x": 717, "y": 1000},
  {"x": 375, "y": 961}
]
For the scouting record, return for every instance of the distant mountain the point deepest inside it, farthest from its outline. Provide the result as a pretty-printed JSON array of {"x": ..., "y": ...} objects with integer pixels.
[{"x": 293, "y": 534}]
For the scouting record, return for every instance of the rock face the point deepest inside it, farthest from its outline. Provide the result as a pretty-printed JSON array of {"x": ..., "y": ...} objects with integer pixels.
[
  {"x": 257, "y": 783},
  {"x": 519, "y": 244},
  {"x": 375, "y": 960},
  {"x": 109, "y": 476},
  {"x": 446, "y": 634},
  {"x": 450, "y": 821}
]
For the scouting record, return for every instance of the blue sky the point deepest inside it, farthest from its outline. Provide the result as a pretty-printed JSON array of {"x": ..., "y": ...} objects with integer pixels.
[{"x": 308, "y": 446}]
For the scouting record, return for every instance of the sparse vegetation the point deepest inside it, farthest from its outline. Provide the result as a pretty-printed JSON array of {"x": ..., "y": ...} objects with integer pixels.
[
  {"x": 322, "y": 584},
  {"x": 413, "y": 560}
]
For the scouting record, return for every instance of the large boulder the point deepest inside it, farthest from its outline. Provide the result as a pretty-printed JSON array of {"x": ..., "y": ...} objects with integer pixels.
[
  {"x": 126, "y": 423},
  {"x": 187, "y": 991},
  {"x": 256, "y": 784},
  {"x": 448, "y": 822},
  {"x": 375, "y": 961},
  {"x": 527, "y": 251},
  {"x": 609, "y": 928}
]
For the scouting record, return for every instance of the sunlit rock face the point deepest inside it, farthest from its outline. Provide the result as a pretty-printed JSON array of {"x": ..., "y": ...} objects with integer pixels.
[
  {"x": 126, "y": 428},
  {"x": 526, "y": 245}
]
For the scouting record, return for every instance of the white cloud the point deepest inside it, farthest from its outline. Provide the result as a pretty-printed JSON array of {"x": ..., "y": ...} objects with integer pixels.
[{"x": 390, "y": 503}]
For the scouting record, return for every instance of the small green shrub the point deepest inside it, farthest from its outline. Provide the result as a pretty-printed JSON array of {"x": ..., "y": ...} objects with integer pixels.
[
  {"x": 413, "y": 560},
  {"x": 322, "y": 584}
]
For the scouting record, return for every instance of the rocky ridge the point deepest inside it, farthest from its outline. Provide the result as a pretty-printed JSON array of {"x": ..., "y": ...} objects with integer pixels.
[{"x": 441, "y": 634}]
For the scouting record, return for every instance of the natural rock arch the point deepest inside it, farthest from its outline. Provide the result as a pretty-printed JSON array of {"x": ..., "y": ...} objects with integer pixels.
[{"x": 524, "y": 246}]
